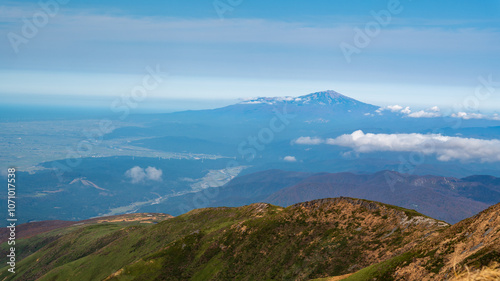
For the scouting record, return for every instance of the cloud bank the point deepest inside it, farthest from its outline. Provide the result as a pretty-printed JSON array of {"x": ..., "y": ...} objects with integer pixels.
[
  {"x": 290, "y": 159},
  {"x": 444, "y": 147},
  {"x": 433, "y": 112},
  {"x": 429, "y": 113},
  {"x": 467, "y": 116},
  {"x": 138, "y": 174},
  {"x": 424, "y": 114}
]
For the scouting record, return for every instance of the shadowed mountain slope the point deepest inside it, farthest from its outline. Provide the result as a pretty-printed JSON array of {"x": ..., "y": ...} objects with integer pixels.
[
  {"x": 473, "y": 242},
  {"x": 445, "y": 198}
]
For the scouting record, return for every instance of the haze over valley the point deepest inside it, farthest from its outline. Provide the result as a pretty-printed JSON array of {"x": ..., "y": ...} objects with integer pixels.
[
  {"x": 167, "y": 162},
  {"x": 250, "y": 140}
]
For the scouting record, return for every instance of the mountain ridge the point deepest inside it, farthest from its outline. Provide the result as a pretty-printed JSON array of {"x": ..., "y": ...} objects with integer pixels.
[
  {"x": 313, "y": 239},
  {"x": 436, "y": 196},
  {"x": 354, "y": 239},
  {"x": 465, "y": 246}
]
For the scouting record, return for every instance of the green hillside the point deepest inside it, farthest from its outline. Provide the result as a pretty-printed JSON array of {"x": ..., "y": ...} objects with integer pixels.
[{"x": 309, "y": 240}]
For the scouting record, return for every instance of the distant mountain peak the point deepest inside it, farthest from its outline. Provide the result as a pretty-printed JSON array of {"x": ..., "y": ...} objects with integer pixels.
[
  {"x": 328, "y": 97},
  {"x": 327, "y": 94},
  {"x": 319, "y": 104}
]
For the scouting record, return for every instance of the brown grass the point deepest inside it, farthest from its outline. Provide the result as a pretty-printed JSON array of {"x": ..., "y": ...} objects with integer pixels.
[{"x": 486, "y": 273}]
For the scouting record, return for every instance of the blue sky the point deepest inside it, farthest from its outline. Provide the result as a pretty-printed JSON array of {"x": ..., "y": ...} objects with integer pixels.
[{"x": 428, "y": 53}]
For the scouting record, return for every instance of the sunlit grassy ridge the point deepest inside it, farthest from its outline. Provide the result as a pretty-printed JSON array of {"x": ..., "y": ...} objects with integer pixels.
[
  {"x": 257, "y": 242},
  {"x": 325, "y": 239}
]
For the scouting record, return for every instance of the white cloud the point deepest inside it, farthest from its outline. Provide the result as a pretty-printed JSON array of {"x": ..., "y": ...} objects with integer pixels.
[
  {"x": 154, "y": 174},
  {"x": 444, "y": 147},
  {"x": 290, "y": 159},
  {"x": 435, "y": 109},
  {"x": 432, "y": 112},
  {"x": 138, "y": 174},
  {"x": 406, "y": 110},
  {"x": 308, "y": 140},
  {"x": 424, "y": 114},
  {"x": 467, "y": 116},
  {"x": 391, "y": 108},
  {"x": 394, "y": 108}
]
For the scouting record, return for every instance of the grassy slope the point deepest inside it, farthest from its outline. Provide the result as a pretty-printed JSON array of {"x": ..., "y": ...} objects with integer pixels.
[
  {"x": 256, "y": 242},
  {"x": 94, "y": 252}
]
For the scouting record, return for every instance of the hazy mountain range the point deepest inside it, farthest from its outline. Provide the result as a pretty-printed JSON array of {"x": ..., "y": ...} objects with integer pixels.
[
  {"x": 445, "y": 198},
  {"x": 325, "y": 144}
]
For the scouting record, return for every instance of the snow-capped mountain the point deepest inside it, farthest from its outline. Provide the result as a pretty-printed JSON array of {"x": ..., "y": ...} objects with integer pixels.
[
  {"x": 325, "y": 102},
  {"x": 328, "y": 98},
  {"x": 319, "y": 98}
]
